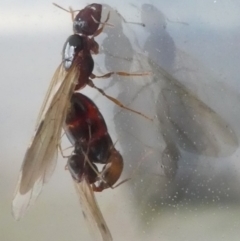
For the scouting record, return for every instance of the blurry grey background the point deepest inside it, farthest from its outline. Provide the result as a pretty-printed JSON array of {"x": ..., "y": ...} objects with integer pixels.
[{"x": 184, "y": 186}]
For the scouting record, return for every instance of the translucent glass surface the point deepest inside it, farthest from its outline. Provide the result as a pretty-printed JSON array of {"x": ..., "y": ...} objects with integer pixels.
[{"x": 184, "y": 165}]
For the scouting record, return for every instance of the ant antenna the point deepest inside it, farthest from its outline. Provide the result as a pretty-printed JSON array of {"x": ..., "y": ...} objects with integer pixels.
[
  {"x": 125, "y": 21},
  {"x": 71, "y": 11}
]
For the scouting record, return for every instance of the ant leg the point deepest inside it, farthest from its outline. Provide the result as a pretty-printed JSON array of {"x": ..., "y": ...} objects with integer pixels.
[
  {"x": 120, "y": 183},
  {"x": 87, "y": 159},
  {"x": 93, "y": 168},
  {"x": 60, "y": 147},
  {"x": 103, "y": 25},
  {"x": 125, "y": 21},
  {"x": 61, "y": 151},
  {"x": 117, "y": 102},
  {"x": 89, "y": 162},
  {"x": 100, "y": 189},
  {"x": 120, "y": 73}
]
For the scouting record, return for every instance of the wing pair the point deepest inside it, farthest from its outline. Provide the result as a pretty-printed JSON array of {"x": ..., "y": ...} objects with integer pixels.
[{"x": 41, "y": 156}]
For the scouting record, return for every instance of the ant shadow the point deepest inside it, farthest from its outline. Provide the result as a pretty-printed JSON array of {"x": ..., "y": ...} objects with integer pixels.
[{"x": 185, "y": 130}]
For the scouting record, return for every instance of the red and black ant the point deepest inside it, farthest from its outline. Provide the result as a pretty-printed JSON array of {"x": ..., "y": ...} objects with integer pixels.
[{"x": 92, "y": 141}]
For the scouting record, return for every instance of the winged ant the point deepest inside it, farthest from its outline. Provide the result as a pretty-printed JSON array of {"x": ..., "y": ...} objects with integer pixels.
[{"x": 74, "y": 73}]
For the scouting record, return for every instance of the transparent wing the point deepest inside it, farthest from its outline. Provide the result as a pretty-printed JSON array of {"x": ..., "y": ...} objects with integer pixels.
[
  {"x": 40, "y": 158},
  {"x": 91, "y": 211},
  {"x": 57, "y": 79}
]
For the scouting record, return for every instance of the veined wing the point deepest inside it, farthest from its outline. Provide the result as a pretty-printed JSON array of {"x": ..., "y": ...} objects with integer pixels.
[
  {"x": 91, "y": 211},
  {"x": 57, "y": 79},
  {"x": 40, "y": 158}
]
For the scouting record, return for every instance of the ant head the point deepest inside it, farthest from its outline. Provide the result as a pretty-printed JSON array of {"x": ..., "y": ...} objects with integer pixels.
[{"x": 88, "y": 19}]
